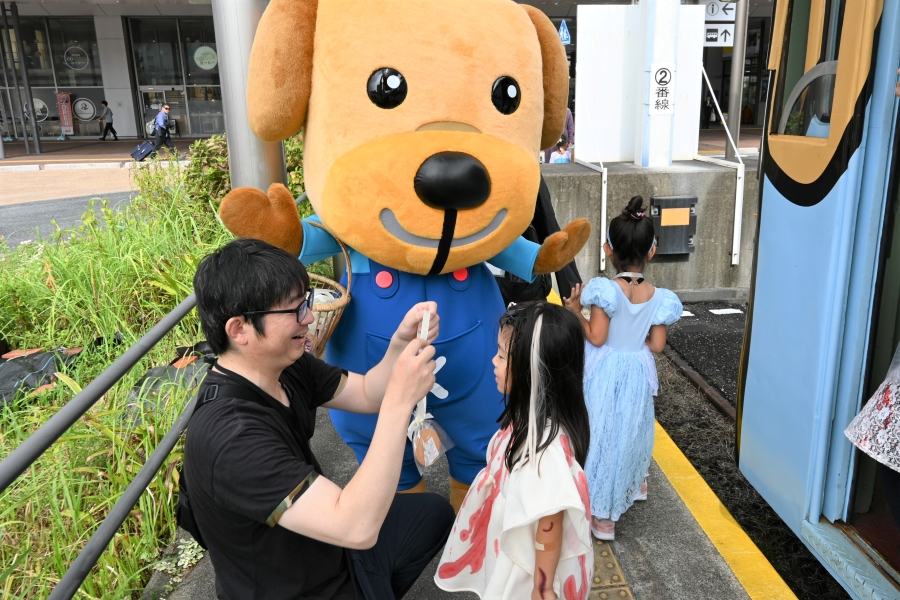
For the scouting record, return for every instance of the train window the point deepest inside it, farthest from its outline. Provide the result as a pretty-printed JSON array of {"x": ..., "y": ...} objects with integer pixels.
[{"x": 808, "y": 67}]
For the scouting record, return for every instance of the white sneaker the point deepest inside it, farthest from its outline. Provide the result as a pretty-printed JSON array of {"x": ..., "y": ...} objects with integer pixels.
[{"x": 603, "y": 529}]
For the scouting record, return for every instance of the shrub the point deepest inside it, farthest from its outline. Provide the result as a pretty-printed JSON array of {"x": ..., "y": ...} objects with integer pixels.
[{"x": 113, "y": 277}]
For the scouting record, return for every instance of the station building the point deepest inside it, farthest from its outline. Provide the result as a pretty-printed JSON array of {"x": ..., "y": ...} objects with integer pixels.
[
  {"x": 139, "y": 55},
  {"x": 134, "y": 56}
]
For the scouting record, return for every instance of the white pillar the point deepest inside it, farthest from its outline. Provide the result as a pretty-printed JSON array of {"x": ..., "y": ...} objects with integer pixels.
[
  {"x": 252, "y": 162},
  {"x": 653, "y": 137},
  {"x": 114, "y": 65}
]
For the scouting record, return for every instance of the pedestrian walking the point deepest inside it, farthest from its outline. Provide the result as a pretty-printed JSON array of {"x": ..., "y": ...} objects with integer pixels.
[
  {"x": 107, "y": 115},
  {"x": 707, "y": 111},
  {"x": 161, "y": 128},
  {"x": 628, "y": 324}
]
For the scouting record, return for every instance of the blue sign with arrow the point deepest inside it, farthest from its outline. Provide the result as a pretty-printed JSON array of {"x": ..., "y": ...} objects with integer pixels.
[{"x": 564, "y": 36}]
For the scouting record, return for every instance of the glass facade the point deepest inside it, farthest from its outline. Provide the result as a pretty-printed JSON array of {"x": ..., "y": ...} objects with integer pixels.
[
  {"x": 176, "y": 63},
  {"x": 61, "y": 55}
]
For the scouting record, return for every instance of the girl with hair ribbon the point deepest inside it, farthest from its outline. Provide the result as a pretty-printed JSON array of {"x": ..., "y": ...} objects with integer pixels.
[
  {"x": 523, "y": 530},
  {"x": 628, "y": 324}
]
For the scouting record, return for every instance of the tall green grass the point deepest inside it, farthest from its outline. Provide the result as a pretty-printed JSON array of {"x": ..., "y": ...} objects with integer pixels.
[{"x": 112, "y": 278}]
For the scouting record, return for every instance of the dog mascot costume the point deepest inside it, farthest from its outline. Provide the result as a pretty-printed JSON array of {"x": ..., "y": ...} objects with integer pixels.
[{"x": 422, "y": 122}]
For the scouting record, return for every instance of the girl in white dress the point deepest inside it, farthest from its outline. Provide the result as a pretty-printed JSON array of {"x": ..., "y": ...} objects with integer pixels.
[{"x": 523, "y": 530}]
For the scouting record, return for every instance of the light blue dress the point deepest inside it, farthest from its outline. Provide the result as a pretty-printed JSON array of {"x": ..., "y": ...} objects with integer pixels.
[{"x": 619, "y": 384}]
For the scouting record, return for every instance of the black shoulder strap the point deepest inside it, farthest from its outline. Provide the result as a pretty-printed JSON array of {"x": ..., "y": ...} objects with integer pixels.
[{"x": 229, "y": 390}]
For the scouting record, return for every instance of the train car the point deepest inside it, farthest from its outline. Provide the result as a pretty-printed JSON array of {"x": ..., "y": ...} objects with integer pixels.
[{"x": 824, "y": 312}]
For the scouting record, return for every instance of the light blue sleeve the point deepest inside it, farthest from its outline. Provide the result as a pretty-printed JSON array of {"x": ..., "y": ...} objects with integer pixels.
[
  {"x": 518, "y": 258},
  {"x": 601, "y": 292},
  {"x": 318, "y": 244},
  {"x": 669, "y": 310}
]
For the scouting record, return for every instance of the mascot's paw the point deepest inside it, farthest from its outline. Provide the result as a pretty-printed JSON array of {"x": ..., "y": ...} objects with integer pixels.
[
  {"x": 561, "y": 247},
  {"x": 248, "y": 213}
]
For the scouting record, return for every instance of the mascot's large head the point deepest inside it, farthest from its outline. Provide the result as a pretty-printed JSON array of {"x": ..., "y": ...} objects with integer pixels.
[{"x": 422, "y": 119}]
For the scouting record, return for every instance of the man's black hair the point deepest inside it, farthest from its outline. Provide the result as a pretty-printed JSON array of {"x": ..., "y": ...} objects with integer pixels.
[
  {"x": 104, "y": 103},
  {"x": 245, "y": 275}
]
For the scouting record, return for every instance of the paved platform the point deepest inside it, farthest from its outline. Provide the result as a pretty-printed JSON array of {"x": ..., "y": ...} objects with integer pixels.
[
  {"x": 74, "y": 152},
  {"x": 661, "y": 550}
]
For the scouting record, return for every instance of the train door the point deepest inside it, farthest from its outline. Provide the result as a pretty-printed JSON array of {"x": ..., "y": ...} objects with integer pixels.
[{"x": 824, "y": 193}]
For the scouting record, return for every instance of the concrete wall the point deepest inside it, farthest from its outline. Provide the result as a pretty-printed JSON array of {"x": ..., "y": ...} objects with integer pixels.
[
  {"x": 116, "y": 79},
  {"x": 707, "y": 273}
]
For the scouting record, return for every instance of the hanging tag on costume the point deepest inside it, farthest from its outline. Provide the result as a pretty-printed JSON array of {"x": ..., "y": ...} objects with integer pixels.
[{"x": 428, "y": 438}]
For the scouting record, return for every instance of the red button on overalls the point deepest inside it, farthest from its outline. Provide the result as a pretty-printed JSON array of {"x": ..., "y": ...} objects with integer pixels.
[
  {"x": 461, "y": 274},
  {"x": 384, "y": 280}
]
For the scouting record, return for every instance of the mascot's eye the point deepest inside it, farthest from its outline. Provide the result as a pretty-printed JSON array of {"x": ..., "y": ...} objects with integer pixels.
[
  {"x": 506, "y": 95},
  {"x": 387, "y": 88}
]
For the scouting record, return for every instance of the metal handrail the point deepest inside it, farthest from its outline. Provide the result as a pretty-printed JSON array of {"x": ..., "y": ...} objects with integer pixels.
[
  {"x": 37, "y": 443},
  {"x": 32, "y": 448},
  {"x": 84, "y": 562}
]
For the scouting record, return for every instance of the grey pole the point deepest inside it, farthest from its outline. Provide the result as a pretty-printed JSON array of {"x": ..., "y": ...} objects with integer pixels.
[
  {"x": 14, "y": 10},
  {"x": 251, "y": 161},
  {"x": 736, "y": 89},
  {"x": 15, "y": 98}
]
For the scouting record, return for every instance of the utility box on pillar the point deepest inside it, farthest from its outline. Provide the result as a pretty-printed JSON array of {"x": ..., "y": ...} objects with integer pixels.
[{"x": 675, "y": 222}]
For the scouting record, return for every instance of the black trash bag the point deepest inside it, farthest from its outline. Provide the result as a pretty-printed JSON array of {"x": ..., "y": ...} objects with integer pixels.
[
  {"x": 25, "y": 373},
  {"x": 153, "y": 391},
  {"x": 151, "y": 394}
]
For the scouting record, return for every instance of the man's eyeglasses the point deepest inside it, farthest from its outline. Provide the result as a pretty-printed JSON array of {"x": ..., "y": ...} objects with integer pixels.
[{"x": 301, "y": 310}]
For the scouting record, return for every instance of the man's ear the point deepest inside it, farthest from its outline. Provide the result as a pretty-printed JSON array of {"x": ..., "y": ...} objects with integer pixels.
[
  {"x": 652, "y": 252},
  {"x": 280, "y": 74},
  {"x": 238, "y": 330},
  {"x": 607, "y": 250},
  {"x": 555, "y": 67}
]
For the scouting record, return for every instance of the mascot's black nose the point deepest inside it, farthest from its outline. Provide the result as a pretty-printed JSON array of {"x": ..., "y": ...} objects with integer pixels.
[{"x": 453, "y": 180}]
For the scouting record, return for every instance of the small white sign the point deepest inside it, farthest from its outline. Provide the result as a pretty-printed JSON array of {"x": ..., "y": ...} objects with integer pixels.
[
  {"x": 718, "y": 35},
  {"x": 206, "y": 58},
  {"x": 716, "y": 10},
  {"x": 564, "y": 36},
  {"x": 84, "y": 109},
  {"x": 662, "y": 89}
]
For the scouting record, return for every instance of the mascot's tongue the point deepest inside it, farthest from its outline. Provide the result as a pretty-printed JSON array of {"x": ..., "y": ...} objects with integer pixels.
[{"x": 443, "y": 250}]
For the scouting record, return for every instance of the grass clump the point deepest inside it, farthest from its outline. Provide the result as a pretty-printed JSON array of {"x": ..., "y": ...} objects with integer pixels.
[{"x": 102, "y": 285}]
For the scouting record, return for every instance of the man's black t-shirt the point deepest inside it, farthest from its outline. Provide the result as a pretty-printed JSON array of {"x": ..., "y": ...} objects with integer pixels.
[{"x": 246, "y": 463}]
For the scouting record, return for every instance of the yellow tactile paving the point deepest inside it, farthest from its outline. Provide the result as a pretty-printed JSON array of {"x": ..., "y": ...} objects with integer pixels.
[
  {"x": 750, "y": 567},
  {"x": 609, "y": 581}
]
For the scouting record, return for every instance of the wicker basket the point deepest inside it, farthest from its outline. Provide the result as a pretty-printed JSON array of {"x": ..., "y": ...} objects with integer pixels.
[{"x": 327, "y": 314}]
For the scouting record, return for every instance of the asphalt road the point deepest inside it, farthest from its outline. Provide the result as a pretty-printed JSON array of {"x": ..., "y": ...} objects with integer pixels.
[{"x": 22, "y": 222}]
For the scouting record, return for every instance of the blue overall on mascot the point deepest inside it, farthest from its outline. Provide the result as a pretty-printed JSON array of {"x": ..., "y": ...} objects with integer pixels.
[{"x": 422, "y": 122}]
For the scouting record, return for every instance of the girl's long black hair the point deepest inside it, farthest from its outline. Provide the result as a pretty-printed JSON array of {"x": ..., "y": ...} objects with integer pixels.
[{"x": 557, "y": 352}]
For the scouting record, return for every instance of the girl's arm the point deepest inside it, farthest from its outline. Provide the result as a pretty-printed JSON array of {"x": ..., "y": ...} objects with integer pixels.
[
  {"x": 548, "y": 545},
  {"x": 595, "y": 330},
  {"x": 656, "y": 341}
]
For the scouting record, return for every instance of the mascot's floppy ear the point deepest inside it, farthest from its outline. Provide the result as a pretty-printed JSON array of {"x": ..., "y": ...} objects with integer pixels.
[
  {"x": 280, "y": 74},
  {"x": 556, "y": 76}
]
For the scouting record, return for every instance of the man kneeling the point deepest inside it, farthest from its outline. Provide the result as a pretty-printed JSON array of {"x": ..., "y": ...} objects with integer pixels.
[{"x": 274, "y": 526}]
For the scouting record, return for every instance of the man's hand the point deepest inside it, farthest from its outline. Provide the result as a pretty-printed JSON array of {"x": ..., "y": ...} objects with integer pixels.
[
  {"x": 409, "y": 327},
  {"x": 412, "y": 376}
]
